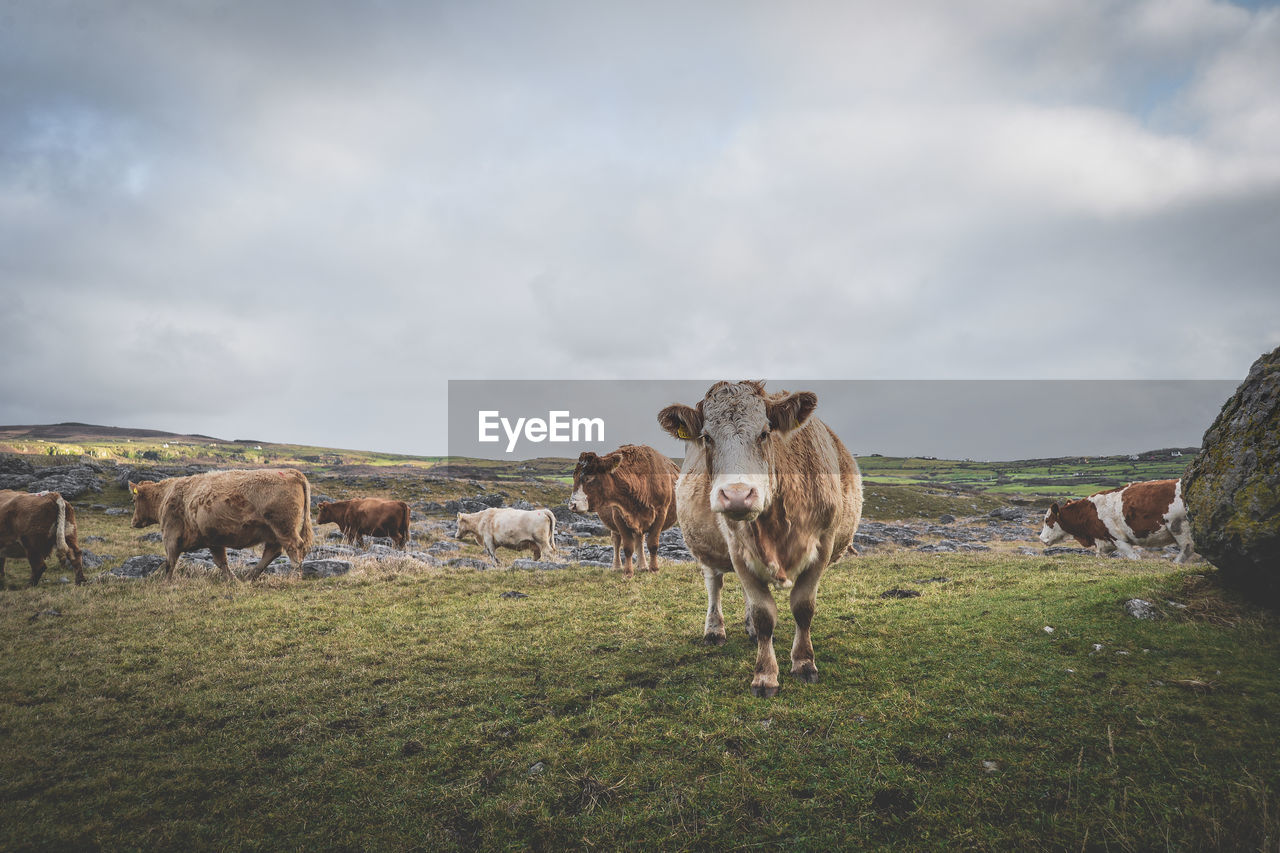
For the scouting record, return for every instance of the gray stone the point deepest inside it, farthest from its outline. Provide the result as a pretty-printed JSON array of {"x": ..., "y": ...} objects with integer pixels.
[
  {"x": 1006, "y": 513},
  {"x": 1140, "y": 608},
  {"x": 589, "y": 528},
  {"x": 469, "y": 563},
  {"x": 153, "y": 536},
  {"x": 1232, "y": 487},
  {"x": 946, "y": 518},
  {"x": 543, "y": 565},
  {"x": 139, "y": 567},
  {"x": 325, "y": 568}
]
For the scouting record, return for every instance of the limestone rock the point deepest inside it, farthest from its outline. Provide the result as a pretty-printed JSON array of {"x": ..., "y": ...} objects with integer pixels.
[{"x": 1232, "y": 488}]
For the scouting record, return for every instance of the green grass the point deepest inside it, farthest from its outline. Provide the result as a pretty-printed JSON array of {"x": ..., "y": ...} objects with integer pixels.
[{"x": 398, "y": 709}]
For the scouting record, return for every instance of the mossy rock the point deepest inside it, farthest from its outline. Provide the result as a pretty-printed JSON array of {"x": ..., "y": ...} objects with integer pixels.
[{"x": 1232, "y": 488}]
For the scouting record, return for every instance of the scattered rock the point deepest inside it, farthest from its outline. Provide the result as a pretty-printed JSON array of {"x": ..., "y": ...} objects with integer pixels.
[
  {"x": 1140, "y": 608},
  {"x": 49, "y": 612},
  {"x": 139, "y": 567},
  {"x": 1006, "y": 513},
  {"x": 900, "y": 593},
  {"x": 537, "y": 769},
  {"x": 325, "y": 568},
  {"x": 991, "y": 766},
  {"x": 153, "y": 536},
  {"x": 469, "y": 563},
  {"x": 526, "y": 563},
  {"x": 946, "y": 518},
  {"x": 513, "y": 594}
]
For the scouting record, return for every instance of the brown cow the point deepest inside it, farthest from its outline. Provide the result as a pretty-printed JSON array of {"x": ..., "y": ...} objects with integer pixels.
[
  {"x": 771, "y": 494},
  {"x": 633, "y": 490},
  {"x": 361, "y": 517},
  {"x": 33, "y": 526},
  {"x": 1147, "y": 514},
  {"x": 228, "y": 509}
]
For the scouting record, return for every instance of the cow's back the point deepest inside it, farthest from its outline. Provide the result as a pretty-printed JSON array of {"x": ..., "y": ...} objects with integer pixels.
[{"x": 229, "y": 505}]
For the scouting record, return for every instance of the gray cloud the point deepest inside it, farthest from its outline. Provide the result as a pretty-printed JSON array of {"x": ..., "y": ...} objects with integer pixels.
[{"x": 295, "y": 222}]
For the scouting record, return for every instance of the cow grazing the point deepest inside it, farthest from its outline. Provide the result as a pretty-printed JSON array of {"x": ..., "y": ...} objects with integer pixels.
[
  {"x": 33, "y": 526},
  {"x": 633, "y": 490},
  {"x": 228, "y": 509},
  {"x": 504, "y": 527},
  {"x": 1147, "y": 515},
  {"x": 361, "y": 517},
  {"x": 770, "y": 493}
]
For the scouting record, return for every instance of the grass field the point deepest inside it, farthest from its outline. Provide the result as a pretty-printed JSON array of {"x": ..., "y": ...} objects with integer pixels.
[{"x": 401, "y": 708}]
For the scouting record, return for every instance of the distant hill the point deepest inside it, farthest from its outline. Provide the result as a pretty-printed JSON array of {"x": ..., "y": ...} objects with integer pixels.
[{"x": 72, "y": 431}]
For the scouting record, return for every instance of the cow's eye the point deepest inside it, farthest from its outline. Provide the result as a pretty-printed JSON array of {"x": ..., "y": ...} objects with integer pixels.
[
  {"x": 706, "y": 439},
  {"x": 764, "y": 436}
]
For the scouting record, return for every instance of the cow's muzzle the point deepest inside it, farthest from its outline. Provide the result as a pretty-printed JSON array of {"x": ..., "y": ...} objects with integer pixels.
[{"x": 739, "y": 501}]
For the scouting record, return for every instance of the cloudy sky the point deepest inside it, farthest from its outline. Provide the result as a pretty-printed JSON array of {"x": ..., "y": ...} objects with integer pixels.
[{"x": 298, "y": 221}]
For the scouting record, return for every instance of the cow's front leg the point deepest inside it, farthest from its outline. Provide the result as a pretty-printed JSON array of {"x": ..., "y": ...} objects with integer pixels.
[
  {"x": 270, "y": 551},
  {"x": 491, "y": 549},
  {"x": 628, "y": 550},
  {"x": 804, "y": 597},
  {"x": 764, "y": 616},
  {"x": 1, "y": 571},
  {"x": 713, "y": 633},
  {"x": 617, "y": 548},
  {"x": 219, "y": 554},
  {"x": 1127, "y": 551}
]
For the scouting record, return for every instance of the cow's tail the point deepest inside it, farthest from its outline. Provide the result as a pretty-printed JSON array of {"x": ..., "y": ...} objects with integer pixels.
[
  {"x": 551, "y": 532},
  {"x": 305, "y": 533},
  {"x": 59, "y": 531}
]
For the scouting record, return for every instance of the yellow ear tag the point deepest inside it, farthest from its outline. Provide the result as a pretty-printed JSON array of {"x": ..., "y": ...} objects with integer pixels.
[{"x": 683, "y": 432}]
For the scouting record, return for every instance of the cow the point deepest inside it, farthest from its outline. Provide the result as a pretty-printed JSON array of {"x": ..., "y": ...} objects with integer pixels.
[
  {"x": 35, "y": 525},
  {"x": 1148, "y": 514},
  {"x": 768, "y": 492},
  {"x": 228, "y": 509},
  {"x": 633, "y": 490},
  {"x": 504, "y": 527},
  {"x": 360, "y": 517}
]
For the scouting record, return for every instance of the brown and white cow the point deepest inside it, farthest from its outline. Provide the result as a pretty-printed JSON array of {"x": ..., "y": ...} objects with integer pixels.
[
  {"x": 361, "y": 517},
  {"x": 35, "y": 525},
  {"x": 633, "y": 490},
  {"x": 506, "y": 527},
  {"x": 1149, "y": 514},
  {"x": 229, "y": 509},
  {"x": 770, "y": 493}
]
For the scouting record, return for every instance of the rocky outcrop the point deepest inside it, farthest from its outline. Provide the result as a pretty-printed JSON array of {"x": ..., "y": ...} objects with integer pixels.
[{"x": 1232, "y": 488}]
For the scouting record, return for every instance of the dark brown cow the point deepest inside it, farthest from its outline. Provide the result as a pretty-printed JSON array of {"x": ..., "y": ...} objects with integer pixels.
[
  {"x": 771, "y": 494},
  {"x": 632, "y": 489},
  {"x": 33, "y": 526},
  {"x": 229, "y": 509},
  {"x": 361, "y": 517}
]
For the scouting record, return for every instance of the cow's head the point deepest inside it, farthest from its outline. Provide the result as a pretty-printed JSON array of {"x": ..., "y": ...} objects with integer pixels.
[
  {"x": 737, "y": 427},
  {"x": 325, "y": 513},
  {"x": 587, "y": 476},
  {"x": 147, "y": 497},
  {"x": 467, "y": 525},
  {"x": 1052, "y": 530}
]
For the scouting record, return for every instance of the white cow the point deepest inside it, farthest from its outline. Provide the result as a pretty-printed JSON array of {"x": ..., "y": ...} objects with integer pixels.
[{"x": 504, "y": 527}]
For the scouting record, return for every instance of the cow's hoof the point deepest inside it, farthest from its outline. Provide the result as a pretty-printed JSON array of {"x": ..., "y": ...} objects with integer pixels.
[
  {"x": 715, "y": 640},
  {"x": 764, "y": 691},
  {"x": 806, "y": 672}
]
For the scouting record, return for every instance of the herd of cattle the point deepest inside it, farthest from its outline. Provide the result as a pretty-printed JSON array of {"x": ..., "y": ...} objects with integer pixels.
[{"x": 767, "y": 491}]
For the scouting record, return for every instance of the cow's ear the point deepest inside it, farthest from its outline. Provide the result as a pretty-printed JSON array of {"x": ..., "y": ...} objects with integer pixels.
[
  {"x": 791, "y": 411},
  {"x": 608, "y": 463},
  {"x": 681, "y": 421},
  {"x": 588, "y": 461},
  {"x": 1055, "y": 509},
  {"x": 133, "y": 487}
]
